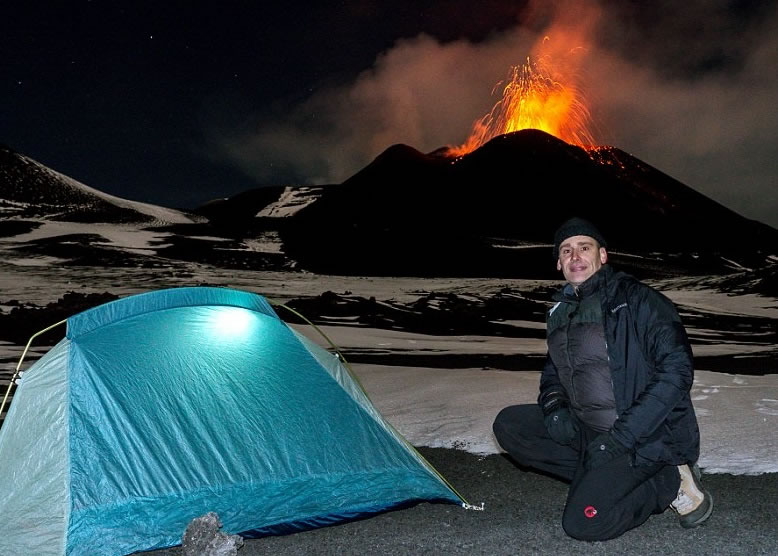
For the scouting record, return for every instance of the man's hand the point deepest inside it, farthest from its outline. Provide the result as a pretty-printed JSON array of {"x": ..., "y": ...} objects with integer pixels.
[
  {"x": 561, "y": 426},
  {"x": 603, "y": 449}
]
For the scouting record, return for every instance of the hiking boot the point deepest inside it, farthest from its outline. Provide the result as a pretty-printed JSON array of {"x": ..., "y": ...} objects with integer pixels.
[{"x": 693, "y": 504}]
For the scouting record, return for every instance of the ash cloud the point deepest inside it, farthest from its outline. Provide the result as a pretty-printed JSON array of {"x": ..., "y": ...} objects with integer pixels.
[
  {"x": 693, "y": 94},
  {"x": 690, "y": 90}
]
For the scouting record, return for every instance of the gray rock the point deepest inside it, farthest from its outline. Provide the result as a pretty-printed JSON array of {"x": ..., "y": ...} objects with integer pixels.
[{"x": 203, "y": 538}]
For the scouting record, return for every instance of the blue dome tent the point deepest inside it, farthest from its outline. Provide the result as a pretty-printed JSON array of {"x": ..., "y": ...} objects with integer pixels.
[{"x": 160, "y": 407}]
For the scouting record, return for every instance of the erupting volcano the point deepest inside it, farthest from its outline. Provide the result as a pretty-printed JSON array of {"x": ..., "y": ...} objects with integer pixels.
[{"x": 538, "y": 95}]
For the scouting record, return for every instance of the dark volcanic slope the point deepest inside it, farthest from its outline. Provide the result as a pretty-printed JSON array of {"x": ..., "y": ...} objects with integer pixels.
[
  {"x": 31, "y": 190},
  {"x": 428, "y": 214},
  {"x": 242, "y": 208}
]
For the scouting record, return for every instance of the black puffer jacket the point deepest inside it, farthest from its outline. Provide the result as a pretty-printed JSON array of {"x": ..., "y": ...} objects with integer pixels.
[
  {"x": 576, "y": 343},
  {"x": 652, "y": 370}
]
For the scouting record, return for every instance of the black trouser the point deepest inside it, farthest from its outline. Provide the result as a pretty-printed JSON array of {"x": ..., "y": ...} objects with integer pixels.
[{"x": 601, "y": 503}]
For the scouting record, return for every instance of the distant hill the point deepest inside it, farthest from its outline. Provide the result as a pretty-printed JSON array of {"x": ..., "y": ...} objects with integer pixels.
[
  {"x": 29, "y": 189},
  {"x": 47, "y": 218}
]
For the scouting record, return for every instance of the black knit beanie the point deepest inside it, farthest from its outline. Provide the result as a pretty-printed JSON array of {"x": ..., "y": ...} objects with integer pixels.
[{"x": 576, "y": 227}]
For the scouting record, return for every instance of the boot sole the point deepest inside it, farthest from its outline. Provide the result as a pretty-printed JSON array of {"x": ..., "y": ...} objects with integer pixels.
[{"x": 688, "y": 521}]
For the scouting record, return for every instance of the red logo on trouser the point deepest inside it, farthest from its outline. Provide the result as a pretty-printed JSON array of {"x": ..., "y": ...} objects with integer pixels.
[{"x": 590, "y": 511}]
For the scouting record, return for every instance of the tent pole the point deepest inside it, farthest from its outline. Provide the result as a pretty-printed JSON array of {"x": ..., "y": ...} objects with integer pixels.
[
  {"x": 19, "y": 365},
  {"x": 332, "y": 344}
]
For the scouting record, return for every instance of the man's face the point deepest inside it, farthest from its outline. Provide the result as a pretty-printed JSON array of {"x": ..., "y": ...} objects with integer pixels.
[{"x": 579, "y": 258}]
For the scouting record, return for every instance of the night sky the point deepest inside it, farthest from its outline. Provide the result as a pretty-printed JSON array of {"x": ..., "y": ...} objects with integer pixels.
[{"x": 177, "y": 103}]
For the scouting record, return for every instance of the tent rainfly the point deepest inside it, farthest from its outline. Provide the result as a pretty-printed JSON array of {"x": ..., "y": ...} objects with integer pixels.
[{"x": 164, "y": 406}]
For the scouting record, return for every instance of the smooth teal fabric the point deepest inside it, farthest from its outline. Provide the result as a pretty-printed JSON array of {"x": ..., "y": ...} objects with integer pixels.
[
  {"x": 34, "y": 460},
  {"x": 186, "y": 401}
]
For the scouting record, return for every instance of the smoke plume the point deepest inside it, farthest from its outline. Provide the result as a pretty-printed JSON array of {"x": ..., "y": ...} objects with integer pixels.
[{"x": 689, "y": 89}]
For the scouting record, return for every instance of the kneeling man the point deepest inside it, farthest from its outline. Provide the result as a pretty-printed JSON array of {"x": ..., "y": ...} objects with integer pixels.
[{"x": 614, "y": 416}]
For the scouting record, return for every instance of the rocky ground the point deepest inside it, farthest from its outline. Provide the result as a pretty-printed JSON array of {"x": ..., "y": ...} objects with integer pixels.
[{"x": 522, "y": 515}]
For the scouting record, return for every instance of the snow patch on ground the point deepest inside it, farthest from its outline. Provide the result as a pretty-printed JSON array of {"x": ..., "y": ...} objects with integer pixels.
[
  {"x": 291, "y": 201},
  {"x": 131, "y": 238},
  {"x": 738, "y": 416},
  {"x": 717, "y": 302}
]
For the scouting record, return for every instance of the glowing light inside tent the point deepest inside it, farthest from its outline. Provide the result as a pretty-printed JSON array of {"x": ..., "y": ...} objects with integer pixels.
[{"x": 231, "y": 321}]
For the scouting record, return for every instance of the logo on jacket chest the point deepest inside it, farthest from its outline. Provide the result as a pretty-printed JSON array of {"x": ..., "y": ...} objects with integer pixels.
[{"x": 618, "y": 308}]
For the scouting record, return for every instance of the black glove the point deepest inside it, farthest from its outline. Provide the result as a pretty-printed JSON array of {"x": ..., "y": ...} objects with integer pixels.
[
  {"x": 561, "y": 425},
  {"x": 603, "y": 449}
]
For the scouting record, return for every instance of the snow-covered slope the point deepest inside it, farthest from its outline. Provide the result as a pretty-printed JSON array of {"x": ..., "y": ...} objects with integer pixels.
[
  {"x": 291, "y": 201},
  {"x": 30, "y": 189}
]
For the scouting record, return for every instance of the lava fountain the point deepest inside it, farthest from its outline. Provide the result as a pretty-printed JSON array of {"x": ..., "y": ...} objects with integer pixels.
[{"x": 537, "y": 95}]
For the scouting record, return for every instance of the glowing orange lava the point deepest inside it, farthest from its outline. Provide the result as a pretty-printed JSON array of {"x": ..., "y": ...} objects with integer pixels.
[{"x": 537, "y": 96}]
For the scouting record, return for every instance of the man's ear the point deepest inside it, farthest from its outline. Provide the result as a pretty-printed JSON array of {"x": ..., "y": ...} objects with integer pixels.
[
  {"x": 558, "y": 264},
  {"x": 603, "y": 255}
]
